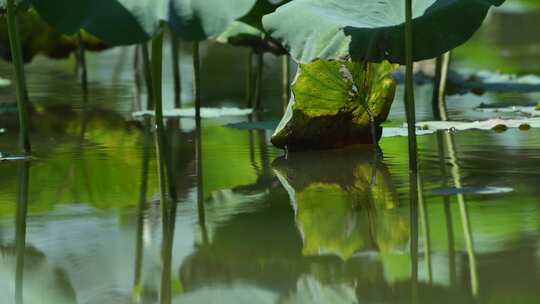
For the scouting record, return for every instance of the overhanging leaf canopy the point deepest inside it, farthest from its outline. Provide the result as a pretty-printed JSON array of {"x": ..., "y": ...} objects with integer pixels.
[
  {"x": 125, "y": 22},
  {"x": 373, "y": 30}
]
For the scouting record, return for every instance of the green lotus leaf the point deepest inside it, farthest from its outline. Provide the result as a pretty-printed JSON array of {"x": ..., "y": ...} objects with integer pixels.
[
  {"x": 125, "y": 22},
  {"x": 261, "y": 8},
  {"x": 329, "y": 108},
  {"x": 373, "y": 30},
  {"x": 37, "y": 37}
]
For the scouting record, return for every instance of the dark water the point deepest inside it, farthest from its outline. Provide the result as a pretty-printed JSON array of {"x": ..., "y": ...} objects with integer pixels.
[{"x": 83, "y": 222}]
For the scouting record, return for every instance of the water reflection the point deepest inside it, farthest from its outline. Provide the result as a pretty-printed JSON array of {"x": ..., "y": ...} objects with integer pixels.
[{"x": 344, "y": 203}]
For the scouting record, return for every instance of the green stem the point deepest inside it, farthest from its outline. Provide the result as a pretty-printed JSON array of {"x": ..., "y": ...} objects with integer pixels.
[
  {"x": 137, "y": 105},
  {"x": 249, "y": 80},
  {"x": 409, "y": 88},
  {"x": 82, "y": 60},
  {"x": 147, "y": 70},
  {"x": 20, "y": 85},
  {"x": 439, "y": 86},
  {"x": 175, "y": 49},
  {"x": 258, "y": 88},
  {"x": 165, "y": 168},
  {"x": 197, "y": 80},
  {"x": 286, "y": 69}
]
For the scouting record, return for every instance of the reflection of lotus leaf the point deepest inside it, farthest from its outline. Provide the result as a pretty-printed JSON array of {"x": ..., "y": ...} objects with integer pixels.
[{"x": 339, "y": 213}]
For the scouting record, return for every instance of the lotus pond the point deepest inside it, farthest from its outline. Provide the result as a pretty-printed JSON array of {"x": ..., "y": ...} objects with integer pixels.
[{"x": 83, "y": 220}]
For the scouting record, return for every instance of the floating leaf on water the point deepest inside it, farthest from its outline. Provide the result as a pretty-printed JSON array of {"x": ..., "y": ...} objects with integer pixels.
[
  {"x": 254, "y": 125},
  {"x": 488, "y": 190},
  {"x": 491, "y": 124},
  {"x": 374, "y": 29},
  {"x": 4, "y": 82},
  {"x": 398, "y": 132},
  {"x": 205, "y": 112}
]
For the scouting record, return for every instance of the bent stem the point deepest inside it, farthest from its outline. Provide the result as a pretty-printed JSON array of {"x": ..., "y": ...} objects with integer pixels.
[
  {"x": 147, "y": 70},
  {"x": 82, "y": 62},
  {"x": 20, "y": 85},
  {"x": 197, "y": 80},
  {"x": 175, "y": 49}
]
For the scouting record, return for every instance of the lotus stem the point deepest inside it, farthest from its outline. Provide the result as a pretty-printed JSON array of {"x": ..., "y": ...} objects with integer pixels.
[
  {"x": 439, "y": 86},
  {"x": 147, "y": 70},
  {"x": 82, "y": 61},
  {"x": 258, "y": 89},
  {"x": 249, "y": 80},
  {"x": 23, "y": 177},
  {"x": 20, "y": 81},
  {"x": 286, "y": 69},
  {"x": 197, "y": 80},
  {"x": 137, "y": 106},
  {"x": 366, "y": 92},
  {"x": 413, "y": 152},
  {"x": 409, "y": 88},
  {"x": 175, "y": 49},
  {"x": 164, "y": 164}
]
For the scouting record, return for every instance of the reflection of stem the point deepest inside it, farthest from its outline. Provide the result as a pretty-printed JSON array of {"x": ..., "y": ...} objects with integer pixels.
[
  {"x": 286, "y": 72},
  {"x": 82, "y": 60},
  {"x": 424, "y": 218},
  {"x": 175, "y": 49},
  {"x": 447, "y": 212},
  {"x": 249, "y": 80},
  {"x": 463, "y": 211},
  {"x": 147, "y": 70},
  {"x": 413, "y": 205},
  {"x": 169, "y": 221},
  {"x": 20, "y": 88},
  {"x": 140, "y": 212},
  {"x": 200, "y": 189},
  {"x": 197, "y": 80},
  {"x": 20, "y": 232},
  {"x": 464, "y": 214},
  {"x": 439, "y": 87},
  {"x": 259, "y": 84}
]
